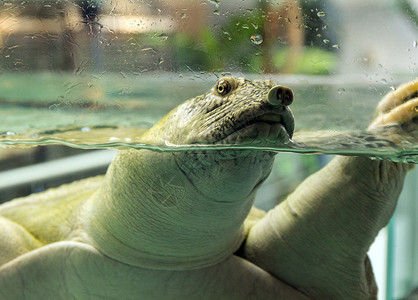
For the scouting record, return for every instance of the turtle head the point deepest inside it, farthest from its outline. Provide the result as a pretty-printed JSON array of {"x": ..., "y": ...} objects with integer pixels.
[{"x": 235, "y": 111}]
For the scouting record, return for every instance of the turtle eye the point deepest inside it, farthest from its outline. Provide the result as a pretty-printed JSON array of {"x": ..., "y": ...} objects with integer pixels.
[{"x": 223, "y": 87}]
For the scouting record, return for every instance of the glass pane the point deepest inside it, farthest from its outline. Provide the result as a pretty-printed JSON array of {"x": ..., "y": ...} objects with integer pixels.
[{"x": 95, "y": 74}]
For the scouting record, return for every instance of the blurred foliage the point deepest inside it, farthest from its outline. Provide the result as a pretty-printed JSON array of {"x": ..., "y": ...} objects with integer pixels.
[
  {"x": 225, "y": 47},
  {"x": 228, "y": 46},
  {"x": 313, "y": 61}
]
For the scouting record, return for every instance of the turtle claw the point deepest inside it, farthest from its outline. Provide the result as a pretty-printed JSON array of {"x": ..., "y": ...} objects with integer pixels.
[{"x": 398, "y": 107}]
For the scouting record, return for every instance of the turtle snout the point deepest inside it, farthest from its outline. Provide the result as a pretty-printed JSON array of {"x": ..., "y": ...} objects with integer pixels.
[{"x": 280, "y": 95}]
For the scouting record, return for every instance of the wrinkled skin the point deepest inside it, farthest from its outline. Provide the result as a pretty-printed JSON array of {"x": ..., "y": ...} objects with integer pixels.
[{"x": 171, "y": 225}]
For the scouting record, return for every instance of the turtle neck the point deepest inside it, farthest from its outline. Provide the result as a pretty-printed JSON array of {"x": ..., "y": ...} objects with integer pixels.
[{"x": 149, "y": 214}]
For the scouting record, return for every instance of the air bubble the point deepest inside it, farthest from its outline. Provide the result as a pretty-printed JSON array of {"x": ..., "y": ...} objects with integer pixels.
[
  {"x": 321, "y": 14},
  {"x": 256, "y": 39}
]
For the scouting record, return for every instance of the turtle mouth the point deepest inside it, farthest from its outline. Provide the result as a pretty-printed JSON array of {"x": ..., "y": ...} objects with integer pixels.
[{"x": 267, "y": 127}]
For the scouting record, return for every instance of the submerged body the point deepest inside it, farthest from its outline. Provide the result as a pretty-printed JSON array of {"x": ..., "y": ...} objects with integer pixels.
[{"x": 181, "y": 225}]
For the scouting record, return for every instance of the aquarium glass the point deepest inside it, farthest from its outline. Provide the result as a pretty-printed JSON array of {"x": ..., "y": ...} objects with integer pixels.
[{"x": 96, "y": 74}]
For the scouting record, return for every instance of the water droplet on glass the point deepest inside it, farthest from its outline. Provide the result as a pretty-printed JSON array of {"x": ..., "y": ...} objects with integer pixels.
[
  {"x": 163, "y": 36},
  {"x": 319, "y": 35},
  {"x": 336, "y": 46},
  {"x": 384, "y": 80},
  {"x": 216, "y": 12},
  {"x": 254, "y": 25},
  {"x": 183, "y": 15},
  {"x": 257, "y": 39},
  {"x": 245, "y": 26},
  {"x": 415, "y": 44},
  {"x": 224, "y": 31},
  {"x": 392, "y": 88},
  {"x": 85, "y": 129},
  {"x": 160, "y": 60},
  {"x": 10, "y": 133},
  {"x": 148, "y": 48},
  {"x": 341, "y": 91},
  {"x": 321, "y": 14},
  {"x": 326, "y": 41},
  {"x": 214, "y": 2}
]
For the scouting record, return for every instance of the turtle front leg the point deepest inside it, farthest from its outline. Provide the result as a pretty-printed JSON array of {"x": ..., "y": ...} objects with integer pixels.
[
  {"x": 317, "y": 240},
  {"x": 399, "y": 107}
]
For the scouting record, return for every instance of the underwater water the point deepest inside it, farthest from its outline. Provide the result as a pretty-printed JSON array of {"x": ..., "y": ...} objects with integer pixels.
[{"x": 113, "y": 110}]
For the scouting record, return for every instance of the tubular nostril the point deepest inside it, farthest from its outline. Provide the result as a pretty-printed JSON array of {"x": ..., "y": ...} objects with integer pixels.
[
  {"x": 285, "y": 95},
  {"x": 280, "y": 95}
]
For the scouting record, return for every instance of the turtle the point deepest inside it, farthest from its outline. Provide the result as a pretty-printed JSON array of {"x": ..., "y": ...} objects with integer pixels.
[{"x": 182, "y": 225}]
